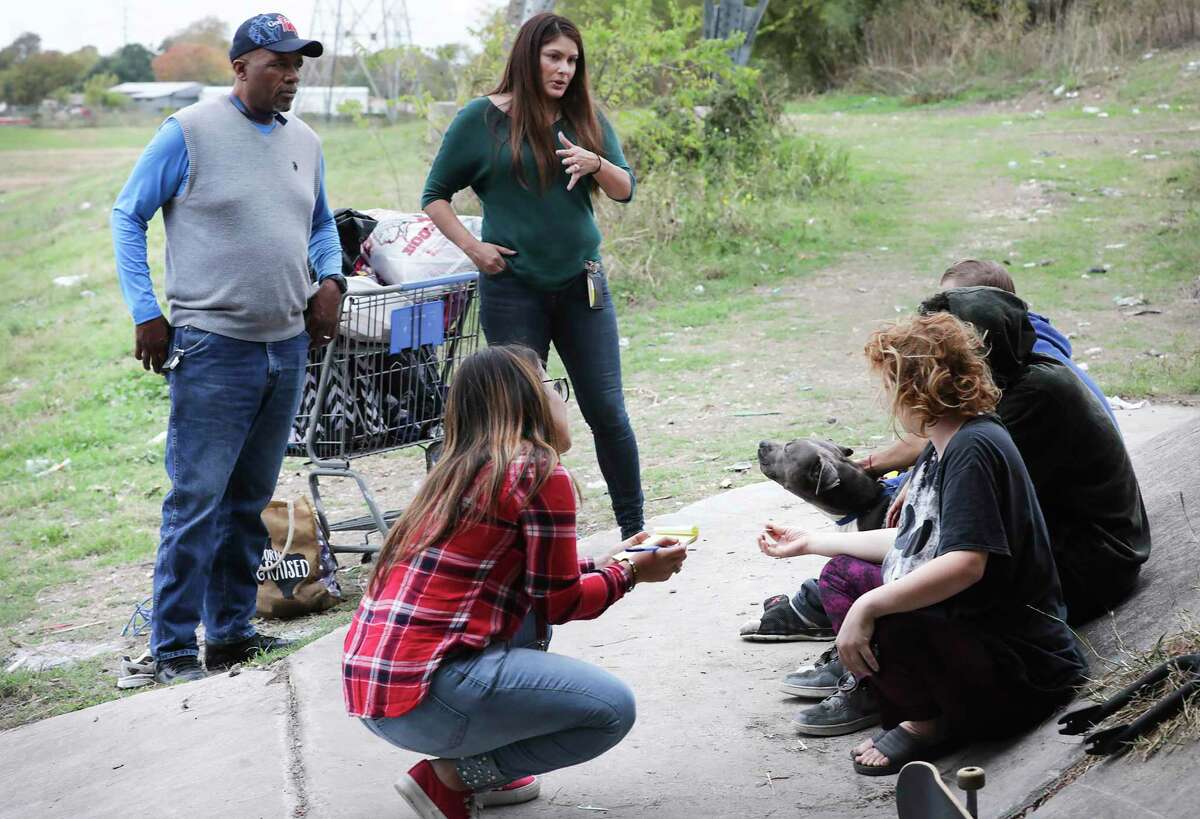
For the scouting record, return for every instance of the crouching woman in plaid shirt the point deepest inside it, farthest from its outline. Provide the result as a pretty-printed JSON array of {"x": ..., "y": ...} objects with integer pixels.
[{"x": 446, "y": 653}]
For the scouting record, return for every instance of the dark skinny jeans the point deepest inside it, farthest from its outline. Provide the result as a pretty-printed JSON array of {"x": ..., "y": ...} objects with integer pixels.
[{"x": 586, "y": 340}]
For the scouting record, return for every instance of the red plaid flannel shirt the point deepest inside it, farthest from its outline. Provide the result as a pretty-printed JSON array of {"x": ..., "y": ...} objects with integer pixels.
[{"x": 471, "y": 590}]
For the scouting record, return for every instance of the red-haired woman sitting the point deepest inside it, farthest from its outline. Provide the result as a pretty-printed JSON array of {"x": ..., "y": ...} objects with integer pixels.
[{"x": 955, "y": 619}]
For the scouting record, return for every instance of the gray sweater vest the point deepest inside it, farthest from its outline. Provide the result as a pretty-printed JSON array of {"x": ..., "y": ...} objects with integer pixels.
[{"x": 237, "y": 239}]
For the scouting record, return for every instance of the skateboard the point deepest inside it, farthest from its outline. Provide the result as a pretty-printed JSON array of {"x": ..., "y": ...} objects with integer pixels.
[{"x": 921, "y": 793}]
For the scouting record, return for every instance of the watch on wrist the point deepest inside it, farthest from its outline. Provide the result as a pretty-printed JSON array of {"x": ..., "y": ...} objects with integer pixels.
[{"x": 339, "y": 280}]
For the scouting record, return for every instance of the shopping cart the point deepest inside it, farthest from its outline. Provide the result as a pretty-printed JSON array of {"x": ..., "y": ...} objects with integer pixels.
[{"x": 381, "y": 385}]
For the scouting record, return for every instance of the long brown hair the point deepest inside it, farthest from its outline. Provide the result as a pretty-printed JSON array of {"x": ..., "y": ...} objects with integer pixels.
[
  {"x": 933, "y": 366},
  {"x": 530, "y": 109},
  {"x": 497, "y": 411}
]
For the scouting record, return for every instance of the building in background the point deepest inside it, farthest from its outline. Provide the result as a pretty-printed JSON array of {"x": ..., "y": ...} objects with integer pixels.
[
  {"x": 311, "y": 100},
  {"x": 159, "y": 97}
]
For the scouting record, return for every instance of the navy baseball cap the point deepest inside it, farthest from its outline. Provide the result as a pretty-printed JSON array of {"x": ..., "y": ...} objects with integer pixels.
[{"x": 273, "y": 32}]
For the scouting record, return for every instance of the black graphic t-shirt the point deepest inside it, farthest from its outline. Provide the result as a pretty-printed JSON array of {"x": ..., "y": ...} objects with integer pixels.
[{"x": 979, "y": 497}]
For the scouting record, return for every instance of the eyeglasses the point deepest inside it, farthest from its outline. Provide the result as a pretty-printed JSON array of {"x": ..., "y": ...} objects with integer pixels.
[{"x": 561, "y": 386}]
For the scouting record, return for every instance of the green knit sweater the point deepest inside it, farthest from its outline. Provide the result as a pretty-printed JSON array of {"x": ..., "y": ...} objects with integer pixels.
[{"x": 553, "y": 231}]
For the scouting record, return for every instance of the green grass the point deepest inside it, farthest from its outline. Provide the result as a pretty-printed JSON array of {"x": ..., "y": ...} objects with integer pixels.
[{"x": 790, "y": 284}]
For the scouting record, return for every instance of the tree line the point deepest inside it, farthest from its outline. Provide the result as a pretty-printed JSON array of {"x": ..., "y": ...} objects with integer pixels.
[{"x": 199, "y": 52}]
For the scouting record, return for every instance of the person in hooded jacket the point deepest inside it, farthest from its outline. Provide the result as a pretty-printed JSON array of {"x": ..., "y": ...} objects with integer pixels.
[
  {"x": 1076, "y": 457},
  {"x": 1050, "y": 340}
]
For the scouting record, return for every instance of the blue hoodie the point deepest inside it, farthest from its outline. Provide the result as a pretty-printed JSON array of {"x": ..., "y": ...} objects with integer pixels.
[{"x": 1054, "y": 344}]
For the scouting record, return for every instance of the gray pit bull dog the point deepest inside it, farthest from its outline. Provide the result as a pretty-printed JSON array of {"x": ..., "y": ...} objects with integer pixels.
[{"x": 822, "y": 473}]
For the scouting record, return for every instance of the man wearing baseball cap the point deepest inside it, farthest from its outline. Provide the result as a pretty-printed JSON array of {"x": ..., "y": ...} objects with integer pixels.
[{"x": 241, "y": 187}]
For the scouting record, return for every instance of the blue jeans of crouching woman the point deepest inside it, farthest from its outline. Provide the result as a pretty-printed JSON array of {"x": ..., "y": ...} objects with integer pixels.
[
  {"x": 232, "y": 405},
  {"x": 587, "y": 342},
  {"x": 512, "y": 710}
]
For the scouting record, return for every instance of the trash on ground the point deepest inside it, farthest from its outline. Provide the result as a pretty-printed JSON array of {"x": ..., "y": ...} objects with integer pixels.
[
  {"x": 69, "y": 281},
  {"x": 40, "y": 467},
  {"x": 1130, "y": 301},
  {"x": 136, "y": 673},
  {"x": 56, "y": 654},
  {"x": 1119, "y": 403}
]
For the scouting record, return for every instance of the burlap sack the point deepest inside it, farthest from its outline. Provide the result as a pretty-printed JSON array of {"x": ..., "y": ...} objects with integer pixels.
[{"x": 297, "y": 573}]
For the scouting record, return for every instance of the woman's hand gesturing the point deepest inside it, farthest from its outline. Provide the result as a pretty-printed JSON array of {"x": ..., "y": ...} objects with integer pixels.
[
  {"x": 578, "y": 162},
  {"x": 780, "y": 541}
]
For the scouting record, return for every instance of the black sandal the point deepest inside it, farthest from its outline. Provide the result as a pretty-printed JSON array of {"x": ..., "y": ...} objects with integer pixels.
[
  {"x": 874, "y": 740},
  {"x": 901, "y": 747}
]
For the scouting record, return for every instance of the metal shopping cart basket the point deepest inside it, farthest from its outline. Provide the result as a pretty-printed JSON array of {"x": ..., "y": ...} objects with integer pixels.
[{"x": 381, "y": 385}]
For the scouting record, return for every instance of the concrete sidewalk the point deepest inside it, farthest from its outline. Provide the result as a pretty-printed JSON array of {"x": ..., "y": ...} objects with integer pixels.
[{"x": 712, "y": 740}]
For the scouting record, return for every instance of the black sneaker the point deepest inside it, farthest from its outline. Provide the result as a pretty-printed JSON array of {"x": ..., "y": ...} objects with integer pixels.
[
  {"x": 818, "y": 680},
  {"x": 851, "y": 709},
  {"x": 178, "y": 670},
  {"x": 781, "y": 623},
  {"x": 221, "y": 657}
]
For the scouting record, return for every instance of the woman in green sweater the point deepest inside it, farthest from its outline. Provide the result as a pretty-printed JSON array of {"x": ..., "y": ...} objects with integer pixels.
[{"x": 535, "y": 151}]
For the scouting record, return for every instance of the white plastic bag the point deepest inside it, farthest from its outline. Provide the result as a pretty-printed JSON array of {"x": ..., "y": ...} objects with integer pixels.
[{"x": 407, "y": 247}]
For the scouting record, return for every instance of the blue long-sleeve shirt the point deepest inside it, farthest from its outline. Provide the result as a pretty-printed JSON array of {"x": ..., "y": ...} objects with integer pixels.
[
  {"x": 161, "y": 173},
  {"x": 1054, "y": 344}
]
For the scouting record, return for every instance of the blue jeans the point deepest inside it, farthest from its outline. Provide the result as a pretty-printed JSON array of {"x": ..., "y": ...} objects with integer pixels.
[
  {"x": 587, "y": 342},
  {"x": 232, "y": 405},
  {"x": 510, "y": 711}
]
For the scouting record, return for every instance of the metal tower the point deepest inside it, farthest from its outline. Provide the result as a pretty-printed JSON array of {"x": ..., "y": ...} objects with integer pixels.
[{"x": 352, "y": 30}]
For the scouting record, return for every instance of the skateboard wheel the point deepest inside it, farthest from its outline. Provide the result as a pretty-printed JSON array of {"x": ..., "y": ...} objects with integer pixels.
[{"x": 970, "y": 779}]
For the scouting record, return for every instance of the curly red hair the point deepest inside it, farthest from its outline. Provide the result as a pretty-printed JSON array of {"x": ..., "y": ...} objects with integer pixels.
[{"x": 933, "y": 366}]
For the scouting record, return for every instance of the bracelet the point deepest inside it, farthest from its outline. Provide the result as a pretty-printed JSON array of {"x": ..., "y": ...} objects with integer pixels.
[
  {"x": 632, "y": 571},
  {"x": 599, "y": 164},
  {"x": 869, "y": 462}
]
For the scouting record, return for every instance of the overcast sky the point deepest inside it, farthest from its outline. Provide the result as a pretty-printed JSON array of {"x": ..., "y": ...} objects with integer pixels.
[{"x": 108, "y": 24}]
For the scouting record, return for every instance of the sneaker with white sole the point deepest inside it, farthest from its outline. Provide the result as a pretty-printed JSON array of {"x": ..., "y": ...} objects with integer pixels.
[
  {"x": 818, "y": 679},
  {"x": 782, "y": 623},
  {"x": 430, "y": 799},
  {"x": 851, "y": 709},
  {"x": 525, "y": 789}
]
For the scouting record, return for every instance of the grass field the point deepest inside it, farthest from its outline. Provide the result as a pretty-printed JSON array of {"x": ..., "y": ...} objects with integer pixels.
[{"x": 751, "y": 333}]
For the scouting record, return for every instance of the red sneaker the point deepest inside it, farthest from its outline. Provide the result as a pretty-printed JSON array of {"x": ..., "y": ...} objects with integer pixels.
[
  {"x": 430, "y": 799},
  {"x": 525, "y": 789}
]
